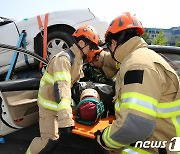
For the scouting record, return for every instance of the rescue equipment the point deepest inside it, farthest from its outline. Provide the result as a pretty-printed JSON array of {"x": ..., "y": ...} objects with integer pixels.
[
  {"x": 27, "y": 52},
  {"x": 21, "y": 43},
  {"x": 88, "y": 131},
  {"x": 89, "y": 110},
  {"x": 44, "y": 35}
]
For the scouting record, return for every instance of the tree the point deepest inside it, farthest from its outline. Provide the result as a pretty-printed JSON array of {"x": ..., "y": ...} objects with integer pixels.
[
  {"x": 160, "y": 39},
  {"x": 146, "y": 36},
  {"x": 177, "y": 44}
]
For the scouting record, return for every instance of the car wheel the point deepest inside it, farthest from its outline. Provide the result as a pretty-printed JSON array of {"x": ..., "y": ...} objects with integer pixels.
[{"x": 57, "y": 41}]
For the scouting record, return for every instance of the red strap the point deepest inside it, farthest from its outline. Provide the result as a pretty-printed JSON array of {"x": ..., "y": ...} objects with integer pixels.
[
  {"x": 44, "y": 54},
  {"x": 45, "y": 36},
  {"x": 39, "y": 22}
]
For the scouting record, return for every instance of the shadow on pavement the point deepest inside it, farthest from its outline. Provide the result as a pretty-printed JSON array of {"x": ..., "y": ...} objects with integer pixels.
[{"x": 18, "y": 142}]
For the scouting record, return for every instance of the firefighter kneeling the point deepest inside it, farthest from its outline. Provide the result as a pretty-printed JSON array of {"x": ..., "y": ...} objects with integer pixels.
[{"x": 90, "y": 108}]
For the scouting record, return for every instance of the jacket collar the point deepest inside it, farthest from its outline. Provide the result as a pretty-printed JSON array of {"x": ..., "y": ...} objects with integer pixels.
[
  {"x": 131, "y": 45},
  {"x": 77, "y": 52},
  {"x": 101, "y": 58}
]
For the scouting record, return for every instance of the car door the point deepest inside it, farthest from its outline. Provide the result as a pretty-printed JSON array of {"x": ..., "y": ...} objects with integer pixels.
[{"x": 18, "y": 97}]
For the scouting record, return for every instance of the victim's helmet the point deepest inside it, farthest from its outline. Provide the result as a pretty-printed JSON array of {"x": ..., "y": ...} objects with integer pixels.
[
  {"x": 89, "y": 109},
  {"x": 88, "y": 32},
  {"x": 92, "y": 54},
  {"x": 90, "y": 93},
  {"x": 124, "y": 22}
]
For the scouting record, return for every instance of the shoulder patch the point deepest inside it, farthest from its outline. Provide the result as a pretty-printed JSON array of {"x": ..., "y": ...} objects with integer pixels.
[{"x": 134, "y": 76}]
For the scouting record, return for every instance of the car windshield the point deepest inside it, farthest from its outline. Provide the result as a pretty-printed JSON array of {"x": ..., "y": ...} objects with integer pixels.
[
  {"x": 173, "y": 60},
  {"x": 4, "y": 21}
]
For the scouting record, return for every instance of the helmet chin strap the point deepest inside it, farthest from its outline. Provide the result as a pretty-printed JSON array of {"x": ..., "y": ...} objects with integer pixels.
[
  {"x": 112, "y": 53},
  {"x": 84, "y": 56},
  {"x": 119, "y": 42}
]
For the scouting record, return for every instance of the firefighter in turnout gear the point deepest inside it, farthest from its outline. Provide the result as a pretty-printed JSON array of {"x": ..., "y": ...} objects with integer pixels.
[
  {"x": 102, "y": 59},
  {"x": 147, "y": 98},
  {"x": 54, "y": 97}
]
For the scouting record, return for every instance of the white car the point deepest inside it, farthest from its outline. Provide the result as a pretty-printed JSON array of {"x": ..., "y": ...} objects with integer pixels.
[{"x": 60, "y": 26}]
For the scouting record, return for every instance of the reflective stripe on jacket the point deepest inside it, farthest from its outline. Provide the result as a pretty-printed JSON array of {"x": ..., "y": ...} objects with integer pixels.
[{"x": 148, "y": 105}]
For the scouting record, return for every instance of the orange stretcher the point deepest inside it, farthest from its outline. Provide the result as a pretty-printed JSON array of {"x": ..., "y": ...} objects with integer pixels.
[{"x": 88, "y": 131}]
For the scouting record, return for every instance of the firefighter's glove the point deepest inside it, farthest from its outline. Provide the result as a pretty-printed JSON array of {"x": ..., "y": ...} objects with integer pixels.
[
  {"x": 98, "y": 134},
  {"x": 65, "y": 134},
  {"x": 66, "y": 131}
]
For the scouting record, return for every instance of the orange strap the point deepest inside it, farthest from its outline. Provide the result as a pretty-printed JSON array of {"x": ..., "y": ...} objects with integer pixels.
[
  {"x": 45, "y": 36},
  {"x": 44, "y": 54},
  {"x": 39, "y": 22}
]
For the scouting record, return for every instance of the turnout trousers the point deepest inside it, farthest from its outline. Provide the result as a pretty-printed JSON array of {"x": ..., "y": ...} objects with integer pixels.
[{"x": 48, "y": 125}]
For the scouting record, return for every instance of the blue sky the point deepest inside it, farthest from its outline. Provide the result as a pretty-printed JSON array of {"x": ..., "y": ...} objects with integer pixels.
[{"x": 154, "y": 13}]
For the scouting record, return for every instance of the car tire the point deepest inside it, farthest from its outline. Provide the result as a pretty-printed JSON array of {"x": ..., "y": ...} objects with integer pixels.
[{"x": 57, "y": 41}]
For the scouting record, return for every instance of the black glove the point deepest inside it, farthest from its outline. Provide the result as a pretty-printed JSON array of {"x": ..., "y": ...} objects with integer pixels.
[
  {"x": 97, "y": 133},
  {"x": 66, "y": 130}
]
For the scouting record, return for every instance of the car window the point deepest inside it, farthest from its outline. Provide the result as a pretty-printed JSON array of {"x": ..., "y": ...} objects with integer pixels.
[
  {"x": 173, "y": 60},
  {"x": 24, "y": 70},
  {"x": 4, "y": 21}
]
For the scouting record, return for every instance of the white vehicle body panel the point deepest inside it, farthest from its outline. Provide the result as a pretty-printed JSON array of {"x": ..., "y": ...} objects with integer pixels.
[
  {"x": 74, "y": 18},
  {"x": 4, "y": 129}
]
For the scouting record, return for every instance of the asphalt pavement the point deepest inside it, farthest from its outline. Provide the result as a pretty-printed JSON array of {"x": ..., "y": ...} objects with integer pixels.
[{"x": 18, "y": 142}]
